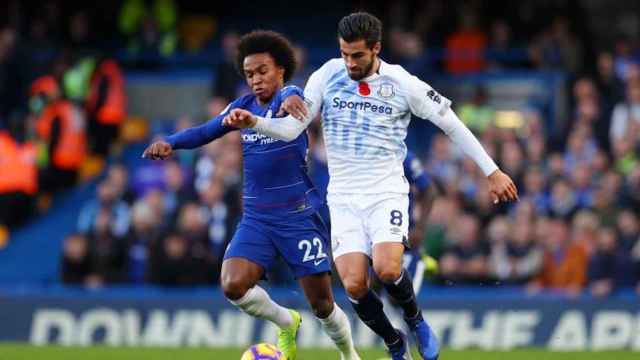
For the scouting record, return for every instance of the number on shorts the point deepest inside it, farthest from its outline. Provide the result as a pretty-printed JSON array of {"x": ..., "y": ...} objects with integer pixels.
[
  {"x": 308, "y": 246},
  {"x": 396, "y": 217}
]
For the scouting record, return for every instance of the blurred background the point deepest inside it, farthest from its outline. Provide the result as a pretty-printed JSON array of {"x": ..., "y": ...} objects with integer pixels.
[{"x": 552, "y": 89}]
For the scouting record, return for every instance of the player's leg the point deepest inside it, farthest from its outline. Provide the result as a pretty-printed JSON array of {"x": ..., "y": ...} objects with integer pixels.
[
  {"x": 389, "y": 228},
  {"x": 351, "y": 250},
  {"x": 250, "y": 252},
  {"x": 317, "y": 289},
  {"x": 304, "y": 244},
  {"x": 354, "y": 269}
]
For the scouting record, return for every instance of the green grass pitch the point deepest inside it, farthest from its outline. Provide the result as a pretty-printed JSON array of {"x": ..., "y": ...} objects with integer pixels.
[{"x": 25, "y": 352}]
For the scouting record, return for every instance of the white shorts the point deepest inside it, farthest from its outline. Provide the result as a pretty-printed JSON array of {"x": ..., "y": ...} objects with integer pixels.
[{"x": 359, "y": 221}]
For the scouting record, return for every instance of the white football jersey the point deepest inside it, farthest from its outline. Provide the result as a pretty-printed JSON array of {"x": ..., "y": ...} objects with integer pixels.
[{"x": 365, "y": 124}]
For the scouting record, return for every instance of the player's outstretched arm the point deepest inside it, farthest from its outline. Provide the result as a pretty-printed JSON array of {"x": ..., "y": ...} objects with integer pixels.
[
  {"x": 190, "y": 138},
  {"x": 428, "y": 104}
]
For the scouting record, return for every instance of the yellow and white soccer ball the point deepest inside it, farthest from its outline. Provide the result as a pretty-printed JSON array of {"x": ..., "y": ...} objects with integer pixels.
[{"x": 263, "y": 352}]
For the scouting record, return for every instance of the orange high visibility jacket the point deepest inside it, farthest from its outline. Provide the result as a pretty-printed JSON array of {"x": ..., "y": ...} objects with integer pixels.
[
  {"x": 18, "y": 169},
  {"x": 110, "y": 111},
  {"x": 71, "y": 149}
]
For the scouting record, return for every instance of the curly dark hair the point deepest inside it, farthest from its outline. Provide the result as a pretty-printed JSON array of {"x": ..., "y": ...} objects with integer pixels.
[{"x": 270, "y": 42}]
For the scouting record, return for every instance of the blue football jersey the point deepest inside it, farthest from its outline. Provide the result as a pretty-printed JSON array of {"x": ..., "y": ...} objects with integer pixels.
[{"x": 276, "y": 185}]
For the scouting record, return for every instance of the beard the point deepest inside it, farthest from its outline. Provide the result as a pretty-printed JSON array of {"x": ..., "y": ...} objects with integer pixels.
[{"x": 363, "y": 74}]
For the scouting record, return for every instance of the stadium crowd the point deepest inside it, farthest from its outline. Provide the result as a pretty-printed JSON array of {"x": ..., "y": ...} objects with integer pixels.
[{"x": 576, "y": 227}]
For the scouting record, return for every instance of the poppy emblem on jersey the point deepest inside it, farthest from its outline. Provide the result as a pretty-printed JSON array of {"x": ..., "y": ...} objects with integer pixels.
[
  {"x": 363, "y": 88},
  {"x": 386, "y": 90}
]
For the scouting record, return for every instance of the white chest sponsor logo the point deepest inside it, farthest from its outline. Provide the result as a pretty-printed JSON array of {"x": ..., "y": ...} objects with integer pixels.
[{"x": 257, "y": 138}]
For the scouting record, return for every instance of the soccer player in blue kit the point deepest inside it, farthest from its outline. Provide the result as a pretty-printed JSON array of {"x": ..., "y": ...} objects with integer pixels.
[
  {"x": 280, "y": 202},
  {"x": 421, "y": 195}
]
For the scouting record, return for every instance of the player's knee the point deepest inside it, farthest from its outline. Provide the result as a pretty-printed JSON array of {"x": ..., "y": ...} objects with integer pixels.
[
  {"x": 356, "y": 288},
  {"x": 233, "y": 287},
  {"x": 388, "y": 274},
  {"x": 322, "y": 307}
]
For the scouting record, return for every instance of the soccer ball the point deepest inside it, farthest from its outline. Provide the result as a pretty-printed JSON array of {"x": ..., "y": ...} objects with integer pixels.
[{"x": 263, "y": 352}]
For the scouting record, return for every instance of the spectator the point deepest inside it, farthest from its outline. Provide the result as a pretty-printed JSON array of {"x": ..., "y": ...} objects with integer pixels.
[
  {"x": 303, "y": 70},
  {"x": 609, "y": 268},
  {"x": 564, "y": 264},
  {"x": 623, "y": 59},
  {"x": 406, "y": 49},
  {"x": 227, "y": 80},
  {"x": 107, "y": 200},
  {"x": 513, "y": 161},
  {"x": 588, "y": 112},
  {"x": 628, "y": 228},
  {"x": 192, "y": 225},
  {"x": 584, "y": 227},
  {"x": 625, "y": 120},
  {"x": 477, "y": 114},
  {"x": 555, "y": 167},
  {"x": 105, "y": 105},
  {"x": 13, "y": 79},
  {"x": 76, "y": 265},
  {"x": 604, "y": 198},
  {"x": 107, "y": 252},
  {"x": 515, "y": 258},
  {"x": 501, "y": 47},
  {"x": 581, "y": 184},
  {"x": 632, "y": 189},
  {"x": 441, "y": 162},
  {"x": 557, "y": 48},
  {"x": 466, "y": 260},
  {"x": 581, "y": 149},
  {"x": 118, "y": 176},
  {"x": 141, "y": 240},
  {"x": 172, "y": 264},
  {"x": 534, "y": 189},
  {"x": 219, "y": 216},
  {"x": 610, "y": 86},
  {"x": 177, "y": 190},
  {"x": 466, "y": 47},
  {"x": 625, "y": 157},
  {"x": 60, "y": 125},
  {"x": 150, "y": 29},
  {"x": 563, "y": 202},
  {"x": 18, "y": 182}
]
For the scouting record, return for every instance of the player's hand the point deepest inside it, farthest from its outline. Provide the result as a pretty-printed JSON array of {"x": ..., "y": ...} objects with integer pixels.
[
  {"x": 240, "y": 119},
  {"x": 159, "y": 150},
  {"x": 502, "y": 187},
  {"x": 295, "y": 106}
]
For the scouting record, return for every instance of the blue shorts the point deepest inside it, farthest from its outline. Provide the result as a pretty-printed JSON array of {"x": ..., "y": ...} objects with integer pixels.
[{"x": 302, "y": 243}]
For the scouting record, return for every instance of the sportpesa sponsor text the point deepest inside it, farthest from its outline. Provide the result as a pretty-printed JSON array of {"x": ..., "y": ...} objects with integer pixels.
[{"x": 362, "y": 106}]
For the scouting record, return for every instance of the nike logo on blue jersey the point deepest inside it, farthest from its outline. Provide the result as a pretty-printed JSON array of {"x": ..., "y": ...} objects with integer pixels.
[{"x": 318, "y": 262}]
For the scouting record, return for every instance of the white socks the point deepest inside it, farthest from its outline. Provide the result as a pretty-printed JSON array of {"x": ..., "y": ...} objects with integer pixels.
[
  {"x": 256, "y": 302},
  {"x": 338, "y": 328}
]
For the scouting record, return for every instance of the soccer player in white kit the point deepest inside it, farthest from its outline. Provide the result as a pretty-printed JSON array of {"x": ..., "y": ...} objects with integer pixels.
[{"x": 366, "y": 105}]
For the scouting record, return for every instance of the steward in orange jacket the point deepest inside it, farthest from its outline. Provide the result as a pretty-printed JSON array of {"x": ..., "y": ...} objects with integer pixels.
[
  {"x": 106, "y": 105},
  {"x": 60, "y": 125},
  {"x": 18, "y": 180}
]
